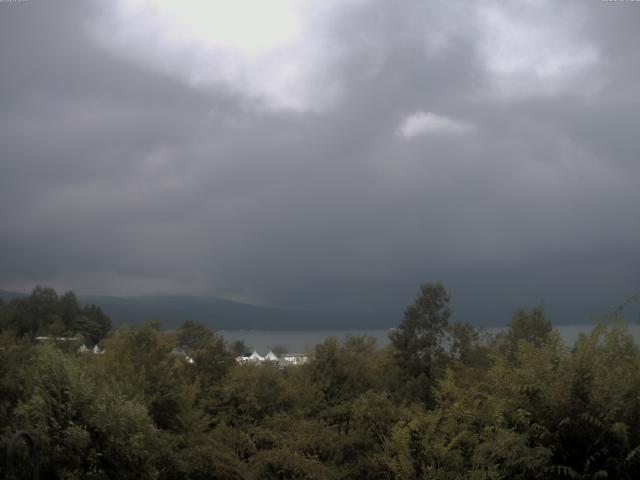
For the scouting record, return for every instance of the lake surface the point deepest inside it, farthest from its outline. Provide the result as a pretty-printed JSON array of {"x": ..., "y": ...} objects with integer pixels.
[{"x": 301, "y": 340}]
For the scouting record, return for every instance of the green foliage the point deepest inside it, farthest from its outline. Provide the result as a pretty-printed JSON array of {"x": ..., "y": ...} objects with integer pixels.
[
  {"x": 211, "y": 357},
  {"x": 342, "y": 371},
  {"x": 417, "y": 341},
  {"x": 279, "y": 464},
  {"x": 193, "y": 335},
  {"x": 138, "y": 361},
  {"x": 441, "y": 402},
  {"x": 532, "y": 327},
  {"x": 253, "y": 393},
  {"x": 44, "y": 313},
  {"x": 279, "y": 350},
  {"x": 83, "y": 429},
  {"x": 238, "y": 348}
]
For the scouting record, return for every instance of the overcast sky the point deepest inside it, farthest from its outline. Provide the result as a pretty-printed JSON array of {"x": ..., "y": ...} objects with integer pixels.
[{"x": 323, "y": 154}]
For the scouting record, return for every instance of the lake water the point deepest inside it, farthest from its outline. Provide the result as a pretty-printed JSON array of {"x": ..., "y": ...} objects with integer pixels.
[{"x": 301, "y": 340}]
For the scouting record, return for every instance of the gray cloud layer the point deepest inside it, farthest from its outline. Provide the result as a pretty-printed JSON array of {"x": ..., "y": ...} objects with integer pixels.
[{"x": 117, "y": 176}]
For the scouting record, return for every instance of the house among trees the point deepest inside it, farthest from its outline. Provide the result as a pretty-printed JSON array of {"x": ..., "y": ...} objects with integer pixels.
[
  {"x": 177, "y": 351},
  {"x": 57, "y": 339},
  {"x": 295, "y": 358}
]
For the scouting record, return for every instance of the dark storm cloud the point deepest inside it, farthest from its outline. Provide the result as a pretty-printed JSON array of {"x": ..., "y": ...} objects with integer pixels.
[{"x": 120, "y": 177}]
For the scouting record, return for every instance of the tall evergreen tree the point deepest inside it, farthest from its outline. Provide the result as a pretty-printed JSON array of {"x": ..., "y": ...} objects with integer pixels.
[{"x": 417, "y": 341}]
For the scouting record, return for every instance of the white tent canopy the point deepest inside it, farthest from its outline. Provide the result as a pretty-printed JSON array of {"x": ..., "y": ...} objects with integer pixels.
[
  {"x": 255, "y": 357},
  {"x": 271, "y": 357}
]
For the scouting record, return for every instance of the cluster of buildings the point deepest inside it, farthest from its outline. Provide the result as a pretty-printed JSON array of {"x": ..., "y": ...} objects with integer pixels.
[
  {"x": 285, "y": 360},
  {"x": 96, "y": 350}
]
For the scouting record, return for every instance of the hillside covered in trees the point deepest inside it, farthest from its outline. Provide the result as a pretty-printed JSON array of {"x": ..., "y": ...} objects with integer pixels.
[
  {"x": 44, "y": 313},
  {"x": 443, "y": 401},
  {"x": 222, "y": 314}
]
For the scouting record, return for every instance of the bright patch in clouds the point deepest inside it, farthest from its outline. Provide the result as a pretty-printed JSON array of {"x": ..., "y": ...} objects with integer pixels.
[
  {"x": 284, "y": 54},
  {"x": 534, "y": 47},
  {"x": 242, "y": 25},
  {"x": 274, "y": 52},
  {"x": 427, "y": 123}
]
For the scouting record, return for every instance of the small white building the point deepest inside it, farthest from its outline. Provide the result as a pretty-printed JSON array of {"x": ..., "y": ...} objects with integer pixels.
[
  {"x": 295, "y": 358},
  {"x": 96, "y": 350},
  {"x": 177, "y": 351},
  {"x": 58, "y": 339}
]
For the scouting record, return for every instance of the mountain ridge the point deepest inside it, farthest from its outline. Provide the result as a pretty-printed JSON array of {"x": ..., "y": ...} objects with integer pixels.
[{"x": 221, "y": 314}]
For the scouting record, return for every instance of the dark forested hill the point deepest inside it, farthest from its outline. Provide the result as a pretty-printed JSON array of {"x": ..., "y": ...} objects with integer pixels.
[
  {"x": 7, "y": 295},
  {"x": 219, "y": 314}
]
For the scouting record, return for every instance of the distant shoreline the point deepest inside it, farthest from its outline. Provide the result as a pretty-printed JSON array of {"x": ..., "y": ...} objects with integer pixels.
[{"x": 301, "y": 340}]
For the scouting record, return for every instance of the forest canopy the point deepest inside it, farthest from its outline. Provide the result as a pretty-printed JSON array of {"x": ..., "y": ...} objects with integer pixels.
[
  {"x": 443, "y": 400},
  {"x": 45, "y": 313}
]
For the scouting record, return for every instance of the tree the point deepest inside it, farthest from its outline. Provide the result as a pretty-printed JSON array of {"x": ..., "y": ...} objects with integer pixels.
[
  {"x": 44, "y": 313},
  {"x": 596, "y": 426},
  {"x": 33, "y": 315},
  {"x": 417, "y": 341},
  {"x": 467, "y": 345},
  {"x": 212, "y": 361},
  {"x": 68, "y": 309},
  {"x": 342, "y": 371},
  {"x": 238, "y": 348},
  {"x": 277, "y": 464},
  {"x": 84, "y": 429},
  {"x": 532, "y": 327},
  {"x": 92, "y": 323},
  {"x": 251, "y": 394},
  {"x": 139, "y": 360},
  {"x": 193, "y": 335},
  {"x": 279, "y": 350}
]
